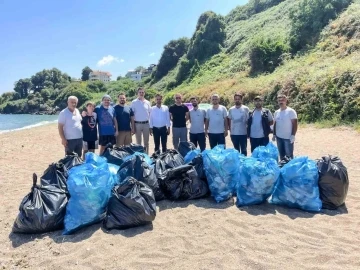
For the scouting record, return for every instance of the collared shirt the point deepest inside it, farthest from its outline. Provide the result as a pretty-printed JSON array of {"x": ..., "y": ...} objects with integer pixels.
[
  {"x": 71, "y": 122},
  {"x": 159, "y": 117},
  {"x": 283, "y": 122},
  {"x": 217, "y": 118},
  {"x": 141, "y": 110},
  {"x": 238, "y": 117},
  {"x": 197, "y": 118}
]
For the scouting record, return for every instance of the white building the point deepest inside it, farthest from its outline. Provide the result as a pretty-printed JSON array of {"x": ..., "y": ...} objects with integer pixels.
[
  {"x": 98, "y": 75},
  {"x": 136, "y": 77}
]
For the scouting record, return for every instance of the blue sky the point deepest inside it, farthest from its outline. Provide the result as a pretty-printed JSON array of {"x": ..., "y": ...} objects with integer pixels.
[{"x": 112, "y": 35}]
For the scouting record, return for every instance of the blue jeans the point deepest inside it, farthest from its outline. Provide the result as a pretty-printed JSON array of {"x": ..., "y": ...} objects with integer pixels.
[
  {"x": 255, "y": 142},
  {"x": 285, "y": 148},
  {"x": 216, "y": 138},
  {"x": 198, "y": 138},
  {"x": 240, "y": 143}
]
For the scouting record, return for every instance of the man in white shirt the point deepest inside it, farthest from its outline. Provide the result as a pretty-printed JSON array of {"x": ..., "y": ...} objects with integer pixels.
[
  {"x": 216, "y": 125},
  {"x": 159, "y": 124},
  {"x": 197, "y": 120},
  {"x": 259, "y": 122},
  {"x": 238, "y": 116},
  {"x": 285, "y": 128},
  {"x": 141, "y": 108},
  {"x": 70, "y": 128}
]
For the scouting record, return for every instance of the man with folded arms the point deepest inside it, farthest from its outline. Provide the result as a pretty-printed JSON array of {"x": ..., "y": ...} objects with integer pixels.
[
  {"x": 159, "y": 124},
  {"x": 141, "y": 108}
]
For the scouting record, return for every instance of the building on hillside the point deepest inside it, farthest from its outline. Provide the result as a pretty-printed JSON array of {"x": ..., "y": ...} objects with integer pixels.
[
  {"x": 98, "y": 75},
  {"x": 137, "y": 75}
]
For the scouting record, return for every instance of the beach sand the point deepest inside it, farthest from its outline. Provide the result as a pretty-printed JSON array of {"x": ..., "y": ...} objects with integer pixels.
[{"x": 197, "y": 234}]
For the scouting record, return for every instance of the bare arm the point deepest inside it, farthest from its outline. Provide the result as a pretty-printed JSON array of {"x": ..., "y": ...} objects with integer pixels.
[
  {"x": 206, "y": 125},
  {"x": 132, "y": 119},
  {"x": 228, "y": 120},
  {"x": 62, "y": 135},
  {"x": 226, "y": 124},
  {"x": 294, "y": 126},
  {"x": 187, "y": 116},
  {"x": 116, "y": 125}
]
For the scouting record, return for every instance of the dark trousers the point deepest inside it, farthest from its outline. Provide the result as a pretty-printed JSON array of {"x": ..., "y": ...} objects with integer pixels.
[
  {"x": 240, "y": 143},
  {"x": 160, "y": 134},
  {"x": 198, "y": 138},
  {"x": 74, "y": 146},
  {"x": 255, "y": 142},
  {"x": 286, "y": 148},
  {"x": 215, "y": 139}
]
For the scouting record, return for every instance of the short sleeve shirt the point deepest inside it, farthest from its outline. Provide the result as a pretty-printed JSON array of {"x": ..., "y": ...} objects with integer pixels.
[
  {"x": 123, "y": 117},
  {"x": 105, "y": 118},
  {"x": 283, "y": 122},
  {"x": 238, "y": 117},
  {"x": 256, "y": 130},
  {"x": 141, "y": 110},
  {"x": 197, "y": 118},
  {"x": 178, "y": 113},
  {"x": 89, "y": 127},
  {"x": 71, "y": 122},
  {"x": 217, "y": 118}
]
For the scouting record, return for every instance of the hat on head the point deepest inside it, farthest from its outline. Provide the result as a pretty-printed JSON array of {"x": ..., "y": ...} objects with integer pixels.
[
  {"x": 106, "y": 96},
  {"x": 258, "y": 97}
]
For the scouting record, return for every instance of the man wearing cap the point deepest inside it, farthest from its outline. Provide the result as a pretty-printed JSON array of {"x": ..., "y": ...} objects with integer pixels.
[
  {"x": 259, "y": 122},
  {"x": 238, "y": 116},
  {"x": 107, "y": 123},
  {"x": 285, "y": 128},
  {"x": 141, "y": 108}
]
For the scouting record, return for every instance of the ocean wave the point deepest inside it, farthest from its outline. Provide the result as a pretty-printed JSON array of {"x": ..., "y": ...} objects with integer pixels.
[{"x": 42, "y": 123}]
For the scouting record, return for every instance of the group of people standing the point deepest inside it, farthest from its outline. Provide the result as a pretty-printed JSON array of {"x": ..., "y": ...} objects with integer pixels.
[{"x": 117, "y": 124}]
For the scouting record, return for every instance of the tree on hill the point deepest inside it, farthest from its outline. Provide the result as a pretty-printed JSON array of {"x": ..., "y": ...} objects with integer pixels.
[
  {"x": 23, "y": 87},
  {"x": 173, "y": 51},
  {"x": 49, "y": 78},
  {"x": 85, "y": 73}
]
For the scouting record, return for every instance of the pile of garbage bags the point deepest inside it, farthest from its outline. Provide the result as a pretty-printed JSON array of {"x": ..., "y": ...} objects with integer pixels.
[{"x": 121, "y": 187}]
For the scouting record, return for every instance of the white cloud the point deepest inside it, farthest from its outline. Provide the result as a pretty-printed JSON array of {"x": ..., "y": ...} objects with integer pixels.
[
  {"x": 107, "y": 60},
  {"x": 152, "y": 54}
]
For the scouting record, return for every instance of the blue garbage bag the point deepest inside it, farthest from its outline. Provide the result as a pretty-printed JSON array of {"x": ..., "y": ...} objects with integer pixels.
[
  {"x": 191, "y": 155},
  {"x": 146, "y": 157},
  {"x": 222, "y": 168},
  {"x": 298, "y": 185},
  {"x": 89, "y": 185},
  {"x": 266, "y": 152},
  {"x": 113, "y": 172},
  {"x": 257, "y": 181}
]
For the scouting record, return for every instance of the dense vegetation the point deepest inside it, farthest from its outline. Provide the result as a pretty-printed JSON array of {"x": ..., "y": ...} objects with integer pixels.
[{"x": 308, "y": 49}]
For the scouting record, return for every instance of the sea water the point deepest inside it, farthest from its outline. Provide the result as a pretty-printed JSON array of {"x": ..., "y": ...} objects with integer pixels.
[{"x": 12, "y": 122}]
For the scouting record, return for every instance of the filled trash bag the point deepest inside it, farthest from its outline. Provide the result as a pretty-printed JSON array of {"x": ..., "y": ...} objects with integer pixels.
[
  {"x": 115, "y": 155},
  {"x": 191, "y": 155},
  {"x": 185, "y": 147},
  {"x": 183, "y": 183},
  {"x": 133, "y": 148},
  {"x": 144, "y": 155},
  {"x": 266, "y": 152},
  {"x": 297, "y": 186},
  {"x": 222, "y": 169},
  {"x": 285, "y": 160},
  {"x": 333, "y": 182},
  {"x": 198, "y": 164},
  {"x": 42, "y": 210},
  {"x": 55, "y": 175},
  {"x": 137, "y": 167},
  {"x": 132, "y": 204},
  {"x": 257, "y": 181},
  {"x": 90, "y": 187},
  {"x": 113, "y": 169},
  {"x": 70, "y": 161},
  {"x": 167, "y": 160}
]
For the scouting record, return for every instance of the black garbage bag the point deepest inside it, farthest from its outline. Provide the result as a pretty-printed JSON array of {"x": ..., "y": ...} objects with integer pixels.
[
  {"x": 185, "y": 147},
  {"x": 167, "y": 160},
  {"x": 137, "y": 167},
  {"x": 70, "y": 161},
  {"x": 183, "y": 183},
  {"x": 285, "y": 160},
  {"x": 333, "y": 182},
  {"x": 42, "y": 210},
  {"x": 132, "y": 148},
  {"x": 55, "y": 175},
  {"x": 131, "y": 204},
  {"x": 198, "y": 164},
  {"x": 115, "y": 155}
]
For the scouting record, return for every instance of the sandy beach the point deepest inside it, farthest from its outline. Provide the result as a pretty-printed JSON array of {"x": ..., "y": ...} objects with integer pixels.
[{"x": 197, "y": 234}]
